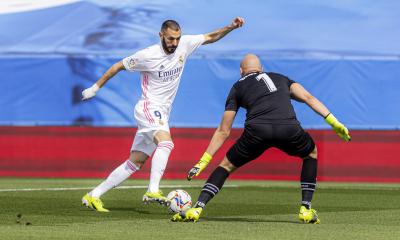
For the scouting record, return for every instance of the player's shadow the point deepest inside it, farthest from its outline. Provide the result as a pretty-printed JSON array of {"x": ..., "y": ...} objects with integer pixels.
[
  {"x": 138, "y": 211},
  {"x": 241, "y": 219},
  {"x": 130, "y": 209}
]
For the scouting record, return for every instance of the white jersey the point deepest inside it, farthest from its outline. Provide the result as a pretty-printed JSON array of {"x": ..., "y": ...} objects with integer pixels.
[{"x": 160, "y": 73}]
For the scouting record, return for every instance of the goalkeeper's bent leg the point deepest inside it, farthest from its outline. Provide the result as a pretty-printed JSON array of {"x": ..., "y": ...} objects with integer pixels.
[
  {"x": 212, "y": 186},
  {"x": 215, "y": 182},
  {"x": 308, "y": 180}
]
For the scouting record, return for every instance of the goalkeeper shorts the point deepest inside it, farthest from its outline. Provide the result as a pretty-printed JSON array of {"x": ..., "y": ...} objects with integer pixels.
[{"x": 257, "y": 138}]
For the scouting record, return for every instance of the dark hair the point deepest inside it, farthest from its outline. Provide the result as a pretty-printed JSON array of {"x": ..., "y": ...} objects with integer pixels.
[{"x": 172, "y": 24}]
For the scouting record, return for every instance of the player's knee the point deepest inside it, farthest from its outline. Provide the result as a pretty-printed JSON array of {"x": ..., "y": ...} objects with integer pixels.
[
  {"x": 227, "y": 165},
  {"x": 314, "y": 153},
  {"x": 162, "y": 136},
  {"x": 138, "y": 162},
  {"x": 138, "y": 158}
]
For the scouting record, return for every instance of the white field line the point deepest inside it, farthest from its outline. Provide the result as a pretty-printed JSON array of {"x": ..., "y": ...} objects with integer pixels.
[{"x": 89, "y": 188}]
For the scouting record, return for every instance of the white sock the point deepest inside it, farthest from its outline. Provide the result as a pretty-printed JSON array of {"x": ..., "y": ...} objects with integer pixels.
[
  {"x": 120, "y": 174},
  {"x": 158, "y": 164}
]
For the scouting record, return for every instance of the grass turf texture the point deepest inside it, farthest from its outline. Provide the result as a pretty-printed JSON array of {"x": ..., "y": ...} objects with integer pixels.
[{"x": 243, "y": 210}]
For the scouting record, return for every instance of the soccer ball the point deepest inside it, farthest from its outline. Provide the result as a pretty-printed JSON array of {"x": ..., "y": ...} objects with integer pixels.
[{"x": 180, "y": 201}]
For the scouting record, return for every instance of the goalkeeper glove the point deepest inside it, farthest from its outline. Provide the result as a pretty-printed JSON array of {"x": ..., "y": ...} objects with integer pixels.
[
  {"x": 339, "y": 128},
  {"x": 196, "y": 169},
  {"x": 90, "y": 92}
]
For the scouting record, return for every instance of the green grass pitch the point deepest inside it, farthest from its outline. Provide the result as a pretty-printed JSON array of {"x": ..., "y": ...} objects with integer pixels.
[{"x": 50, "y": 209}]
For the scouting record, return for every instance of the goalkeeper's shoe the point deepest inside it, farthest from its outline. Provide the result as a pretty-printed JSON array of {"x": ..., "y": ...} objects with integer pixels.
[
  {"x": 155, "y": 197},
  {"x": 308, "y": 215},
  {"x": 93, "y": 203},
  {"x": 191, "y": 215}
]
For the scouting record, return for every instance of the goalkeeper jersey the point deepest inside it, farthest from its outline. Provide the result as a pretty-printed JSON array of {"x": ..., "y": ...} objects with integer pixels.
[{"x": 265, "y": 96}]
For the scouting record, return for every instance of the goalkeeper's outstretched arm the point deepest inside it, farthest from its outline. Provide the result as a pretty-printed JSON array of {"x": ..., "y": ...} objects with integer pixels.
[
  {"x": 218, "y": 139},
  {"x": 222, "y": 133},
  {"x": 299, "y": 93}
]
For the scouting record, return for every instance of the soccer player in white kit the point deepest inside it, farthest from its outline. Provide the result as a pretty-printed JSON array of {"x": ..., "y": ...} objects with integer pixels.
[{"x": 160, "y": 66}]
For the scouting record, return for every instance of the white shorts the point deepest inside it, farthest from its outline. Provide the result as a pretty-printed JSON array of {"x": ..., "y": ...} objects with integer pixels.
[
  {"x": 143, "y": 142},
  {"x": 150, "y": 117},
  {"x": 150, "y": 120}
]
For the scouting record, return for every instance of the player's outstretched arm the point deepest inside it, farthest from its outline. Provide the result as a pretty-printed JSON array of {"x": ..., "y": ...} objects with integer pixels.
[
  {"x": 91, "y": 92},
  {"x": 299, "y": 93},
  {"x": 219, "y": 137},
  {"x": 220, "y": 33}
]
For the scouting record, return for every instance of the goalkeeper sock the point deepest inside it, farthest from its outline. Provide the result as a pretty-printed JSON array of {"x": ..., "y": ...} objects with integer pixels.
[
  {"x": 308, "y": 180},
  {"x": 212, "y": 186},
  {"x": 120, "y": 174},
  {"x": 159, "y": 163}
]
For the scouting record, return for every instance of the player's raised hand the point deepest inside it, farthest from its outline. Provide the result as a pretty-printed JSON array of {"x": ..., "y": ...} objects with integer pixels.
[
  {"x": 339, "y": 128},
  {"x": 237, "y": 22},
  {"x": 90, "y": 92},
  {"x": 199, "y": 167}
]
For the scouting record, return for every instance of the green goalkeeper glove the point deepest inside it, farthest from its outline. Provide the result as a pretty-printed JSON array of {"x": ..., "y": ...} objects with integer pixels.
[
  {"x": 196, "y": 169},
  {"x": 339, "y": 128}
]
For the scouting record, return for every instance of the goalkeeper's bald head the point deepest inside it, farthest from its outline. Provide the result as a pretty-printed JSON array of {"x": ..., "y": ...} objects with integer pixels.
[{"x": 250, "y": 63}]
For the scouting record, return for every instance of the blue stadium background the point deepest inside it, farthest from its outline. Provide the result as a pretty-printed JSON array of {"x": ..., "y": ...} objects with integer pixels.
[{"x": 345, "y": 52}]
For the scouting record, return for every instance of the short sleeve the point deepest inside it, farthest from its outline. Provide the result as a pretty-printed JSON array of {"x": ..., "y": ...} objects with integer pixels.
[
  {"x": 289, "y": 82},
  {"x": 192, "y": 42},
  {"x": 232, "y": 101},
  {"x": 135, "y": 62}
]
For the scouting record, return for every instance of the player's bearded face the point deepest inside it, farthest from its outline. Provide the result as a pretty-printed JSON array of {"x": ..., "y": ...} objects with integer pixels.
[{"x": 170, "y": 40}]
